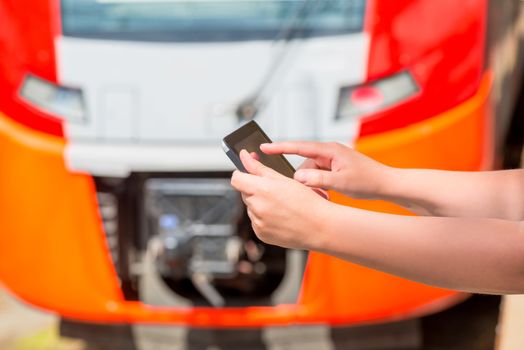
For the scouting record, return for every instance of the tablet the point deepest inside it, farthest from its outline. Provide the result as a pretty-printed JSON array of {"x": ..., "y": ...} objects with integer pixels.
[{"x": 249, "y": 137}]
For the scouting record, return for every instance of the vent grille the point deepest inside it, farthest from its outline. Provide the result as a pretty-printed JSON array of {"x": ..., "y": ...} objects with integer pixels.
[{"x": 108, "y": 208}]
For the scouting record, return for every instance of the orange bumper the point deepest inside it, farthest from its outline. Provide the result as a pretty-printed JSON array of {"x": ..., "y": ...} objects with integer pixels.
[{"x": 53, "y": 252}]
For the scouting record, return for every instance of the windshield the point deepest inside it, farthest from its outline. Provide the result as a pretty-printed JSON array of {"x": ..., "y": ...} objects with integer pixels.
[{"x": 207, "y": 20}]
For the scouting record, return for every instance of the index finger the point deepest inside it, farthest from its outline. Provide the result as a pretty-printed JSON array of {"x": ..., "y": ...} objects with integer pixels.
[{"x": 309, "y": 149}]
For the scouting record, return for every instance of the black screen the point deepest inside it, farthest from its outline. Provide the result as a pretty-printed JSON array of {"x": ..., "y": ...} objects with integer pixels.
[{"x": 250, "y": 137}]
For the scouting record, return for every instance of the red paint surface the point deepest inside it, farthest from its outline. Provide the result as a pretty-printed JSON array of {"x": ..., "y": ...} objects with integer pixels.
[
  {"x": 27, "y": 32},
  {"x": 440, "y": 42}
]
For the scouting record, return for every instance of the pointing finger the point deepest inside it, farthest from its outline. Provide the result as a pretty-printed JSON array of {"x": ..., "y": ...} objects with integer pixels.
[{"x": 309, "y": 149}]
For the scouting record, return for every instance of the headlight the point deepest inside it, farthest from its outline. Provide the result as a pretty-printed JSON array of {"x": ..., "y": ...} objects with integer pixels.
[
  {"x": 64, "y": 102},
  {"x": 360, "y": 100}
]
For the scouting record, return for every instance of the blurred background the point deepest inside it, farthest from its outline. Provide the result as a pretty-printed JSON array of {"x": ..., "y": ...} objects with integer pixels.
[{"x": 119, "y": 229}]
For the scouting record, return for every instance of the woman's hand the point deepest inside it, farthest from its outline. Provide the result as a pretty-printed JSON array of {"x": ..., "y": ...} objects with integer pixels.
[
  {"x": 283, "y": 211},
  {"x": 335, "y": 166}
]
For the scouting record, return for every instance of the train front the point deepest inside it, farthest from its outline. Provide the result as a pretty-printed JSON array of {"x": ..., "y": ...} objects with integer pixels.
[{"x": 116, "y": 205}]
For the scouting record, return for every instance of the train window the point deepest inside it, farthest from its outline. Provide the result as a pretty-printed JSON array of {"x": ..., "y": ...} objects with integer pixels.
[{"x": 209, "y": 20}]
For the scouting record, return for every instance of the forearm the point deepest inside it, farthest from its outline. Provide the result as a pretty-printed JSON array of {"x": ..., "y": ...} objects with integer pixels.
[
  {"x": 494, "y": 194},
  {"x": 475, "y": 255}
]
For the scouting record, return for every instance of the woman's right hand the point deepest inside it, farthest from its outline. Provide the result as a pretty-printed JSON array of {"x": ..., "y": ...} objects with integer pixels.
[{"x": 335, "y": 166}]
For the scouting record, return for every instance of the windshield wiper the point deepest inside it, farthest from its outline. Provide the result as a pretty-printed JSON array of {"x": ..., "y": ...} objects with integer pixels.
[{"x": 251, "y": 106}]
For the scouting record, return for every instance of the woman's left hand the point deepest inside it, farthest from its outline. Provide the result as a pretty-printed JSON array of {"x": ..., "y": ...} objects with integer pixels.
[{"x": 283, "y": 211}]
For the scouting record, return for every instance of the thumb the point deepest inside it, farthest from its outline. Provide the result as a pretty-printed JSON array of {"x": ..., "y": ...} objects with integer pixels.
[
  {"x": 255, "y": 167},
  {"x": 316, "y": 178}
]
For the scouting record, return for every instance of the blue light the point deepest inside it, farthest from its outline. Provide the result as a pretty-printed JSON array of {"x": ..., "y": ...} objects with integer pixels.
[{"x": 168, "y": 221}]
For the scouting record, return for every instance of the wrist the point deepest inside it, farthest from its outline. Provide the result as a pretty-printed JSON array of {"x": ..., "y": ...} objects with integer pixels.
[
  {"x": 385, "y": 183},
  {"x": 400, "y": 187},
  {"x": 321, "y": 230}
]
